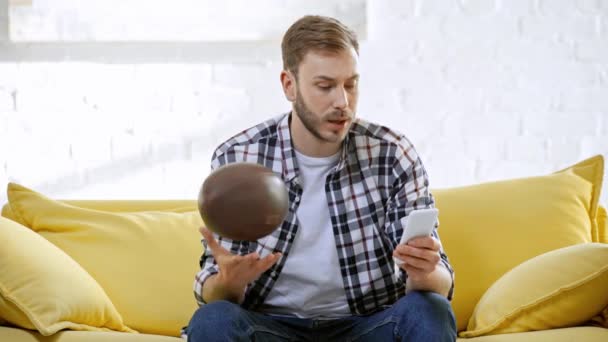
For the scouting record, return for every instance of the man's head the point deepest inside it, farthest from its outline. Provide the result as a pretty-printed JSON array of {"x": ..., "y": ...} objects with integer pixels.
[
  {"x": 320, "y": 78},
  {"x": 315, "y": 33}
]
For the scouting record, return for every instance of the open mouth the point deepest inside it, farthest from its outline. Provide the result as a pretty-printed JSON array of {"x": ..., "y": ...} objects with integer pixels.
[{"x": 338, "y": 124}]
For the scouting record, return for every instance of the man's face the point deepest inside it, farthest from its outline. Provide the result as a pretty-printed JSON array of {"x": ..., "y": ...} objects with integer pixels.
[{"x": 326, "y": 92}]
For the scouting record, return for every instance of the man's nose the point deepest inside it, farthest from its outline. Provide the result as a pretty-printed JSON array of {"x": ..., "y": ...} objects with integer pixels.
[{"x": 341, "y": 98}]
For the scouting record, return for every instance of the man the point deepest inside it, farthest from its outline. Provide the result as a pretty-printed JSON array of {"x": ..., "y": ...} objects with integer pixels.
[{"x": 327, "y": 273}]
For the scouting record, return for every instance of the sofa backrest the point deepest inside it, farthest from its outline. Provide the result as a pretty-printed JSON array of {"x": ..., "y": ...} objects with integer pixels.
[{"x": 177, "y": 206}]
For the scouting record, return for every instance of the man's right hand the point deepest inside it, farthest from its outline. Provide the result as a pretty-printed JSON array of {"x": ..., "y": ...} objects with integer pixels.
[{"x": 235, "y": 271}]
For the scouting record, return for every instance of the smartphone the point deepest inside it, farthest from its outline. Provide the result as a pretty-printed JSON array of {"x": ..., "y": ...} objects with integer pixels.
[{"x": 419, "y": 222}]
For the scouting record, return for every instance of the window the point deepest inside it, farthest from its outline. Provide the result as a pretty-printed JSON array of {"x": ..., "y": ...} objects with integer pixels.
[{"x": 157, "y": 30}]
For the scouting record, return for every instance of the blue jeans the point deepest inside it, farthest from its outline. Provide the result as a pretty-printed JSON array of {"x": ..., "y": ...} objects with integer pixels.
[{"x": 418, "y": 316}]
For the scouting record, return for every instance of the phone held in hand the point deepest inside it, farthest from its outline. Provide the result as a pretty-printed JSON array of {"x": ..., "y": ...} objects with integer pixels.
[{"x": 418, "y": 223}]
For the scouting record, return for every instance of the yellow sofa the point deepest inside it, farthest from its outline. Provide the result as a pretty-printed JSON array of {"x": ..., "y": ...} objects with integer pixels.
[{"x": 530, "y": 255}]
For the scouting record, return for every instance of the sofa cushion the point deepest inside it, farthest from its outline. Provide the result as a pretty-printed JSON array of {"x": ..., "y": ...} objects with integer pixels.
[
  {"x": 561, "y": 288},
  {"x": 42, "y": 288},
  {"x": 489, "y": 228},
  {"x": 8, "y": 334},
  {"x": 145, "y": 261},
  {"x": 576, "y": 334}
]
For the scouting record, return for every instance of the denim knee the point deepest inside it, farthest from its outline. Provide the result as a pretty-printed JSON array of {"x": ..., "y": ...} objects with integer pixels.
[
  {"x": 433, "y": 300},
  {"x": 210, "y": 317},
  {"x": 431, "y": 315}
]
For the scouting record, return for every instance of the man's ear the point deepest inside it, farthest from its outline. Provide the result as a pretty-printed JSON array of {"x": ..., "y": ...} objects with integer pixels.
[{"x": 288, "y": 81}]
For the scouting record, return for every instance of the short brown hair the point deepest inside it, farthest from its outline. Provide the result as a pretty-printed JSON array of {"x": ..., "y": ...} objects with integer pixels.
[{"x": 315, "y": 33}]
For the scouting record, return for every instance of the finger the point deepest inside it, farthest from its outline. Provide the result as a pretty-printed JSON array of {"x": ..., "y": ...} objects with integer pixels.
[
  {"x": 253, "y": 256},
  {"x": 265, "y": 263},
  {"x": 427, "y": 242},
  {"x": 420, "y": 253},
  {"x": 399, "y": 255},
  {"x": 401, "y": 248},
  {"x": 420, "y": 264},
  {"x": 421, "y": 242},
  {"x": 408, "y": 250},
  {"x": 212, "y": 243}
]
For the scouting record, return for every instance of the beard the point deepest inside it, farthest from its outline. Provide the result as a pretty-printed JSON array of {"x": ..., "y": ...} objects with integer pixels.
[{"x": 312, "y": 122}]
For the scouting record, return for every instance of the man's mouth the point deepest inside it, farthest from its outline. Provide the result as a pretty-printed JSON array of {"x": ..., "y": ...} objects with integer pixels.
[
  {"x": 338, "y": 124},
  {"x": 338, "y": 118}
]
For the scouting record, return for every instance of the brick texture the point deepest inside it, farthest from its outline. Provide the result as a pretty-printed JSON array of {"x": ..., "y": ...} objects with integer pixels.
[{"x": 485, "y": 89}]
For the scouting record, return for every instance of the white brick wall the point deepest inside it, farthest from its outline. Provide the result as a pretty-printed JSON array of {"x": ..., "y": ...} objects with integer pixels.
[{"x": 485, "y": 89}]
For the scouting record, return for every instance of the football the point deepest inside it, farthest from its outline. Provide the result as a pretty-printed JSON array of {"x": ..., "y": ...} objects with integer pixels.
[{"x": 243, "y": 201}]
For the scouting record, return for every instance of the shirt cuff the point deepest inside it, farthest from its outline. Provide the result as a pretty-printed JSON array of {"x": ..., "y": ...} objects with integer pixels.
[{"x": 199, "y": 281}]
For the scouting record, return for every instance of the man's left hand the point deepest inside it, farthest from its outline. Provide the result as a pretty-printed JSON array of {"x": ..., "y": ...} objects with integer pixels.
[{"x": 420, "y": 257}]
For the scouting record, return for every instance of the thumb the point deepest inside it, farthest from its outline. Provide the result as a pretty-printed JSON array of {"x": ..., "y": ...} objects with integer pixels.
[{"x": 212, "y": 243}]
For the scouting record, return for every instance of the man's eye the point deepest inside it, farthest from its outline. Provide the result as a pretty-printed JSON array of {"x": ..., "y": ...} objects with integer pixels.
[{"x": 324, "y": 87}]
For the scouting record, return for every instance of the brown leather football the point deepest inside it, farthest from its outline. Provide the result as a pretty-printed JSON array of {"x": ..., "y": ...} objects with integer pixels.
[{"x": 243, "y": 201}]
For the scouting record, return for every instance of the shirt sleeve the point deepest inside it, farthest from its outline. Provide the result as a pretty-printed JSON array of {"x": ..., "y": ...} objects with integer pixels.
[
  {"x": 410, "y": 192},
  {"x": 207, "y": 262}
]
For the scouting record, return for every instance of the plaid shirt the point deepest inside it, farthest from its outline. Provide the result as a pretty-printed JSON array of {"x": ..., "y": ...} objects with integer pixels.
[{"x": 378, "y": 181}]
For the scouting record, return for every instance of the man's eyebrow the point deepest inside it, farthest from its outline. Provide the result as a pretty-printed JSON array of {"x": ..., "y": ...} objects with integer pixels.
[{"x": 327, "y": 78}]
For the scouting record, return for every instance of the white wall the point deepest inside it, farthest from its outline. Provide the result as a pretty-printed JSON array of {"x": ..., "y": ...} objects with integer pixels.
[{"x": 486, "y": 90}]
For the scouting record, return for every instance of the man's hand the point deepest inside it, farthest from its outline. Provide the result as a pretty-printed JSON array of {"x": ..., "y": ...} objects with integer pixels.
[
  {"x": 420, "y": 256},
  {"x": 422, "y": 262},
  {"x": 235, "y": 271}
]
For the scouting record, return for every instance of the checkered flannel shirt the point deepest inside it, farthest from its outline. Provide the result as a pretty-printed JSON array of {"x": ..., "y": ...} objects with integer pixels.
[{"x": 378, "y": 181}]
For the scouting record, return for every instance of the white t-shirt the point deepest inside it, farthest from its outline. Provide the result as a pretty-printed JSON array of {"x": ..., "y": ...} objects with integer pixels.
[{"x": 310, "y": 284}]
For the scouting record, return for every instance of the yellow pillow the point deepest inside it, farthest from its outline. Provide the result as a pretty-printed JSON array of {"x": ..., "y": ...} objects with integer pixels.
[
  {"x": 42, "y": 288},
  {"x": 145, "y": 261},
  {"x": 601, "y": 320},
  {"x": 487, "y": 229},
  {"x": 558, "y": 289},
  {"x": 602, "y": 225}
]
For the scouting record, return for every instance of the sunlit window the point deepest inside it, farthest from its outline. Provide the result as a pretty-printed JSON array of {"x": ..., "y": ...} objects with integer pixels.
[{"x": 162, "y": 20}]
